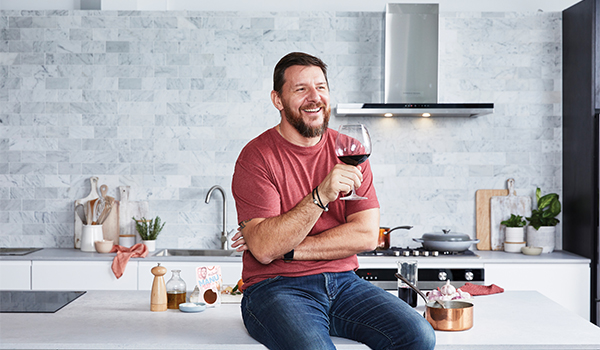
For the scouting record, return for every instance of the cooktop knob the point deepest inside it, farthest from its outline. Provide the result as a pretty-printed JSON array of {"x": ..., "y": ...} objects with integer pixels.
[
  {"x": 426, "y": 253},
  {"x": 415, "y": 253},
  {"x": 442, "y": 275},
  {"x": 406, "y": 253},
  {"x": 469, "y": 275},
  {"x": 435, "y": 253}
]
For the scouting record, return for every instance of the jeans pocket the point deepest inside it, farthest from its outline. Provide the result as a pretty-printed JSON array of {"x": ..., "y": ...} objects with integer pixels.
[{"x": 260, "y": 285}]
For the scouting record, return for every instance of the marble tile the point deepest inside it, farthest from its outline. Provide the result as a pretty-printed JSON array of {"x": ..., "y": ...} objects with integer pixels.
[{"x": 164, "y": 101}]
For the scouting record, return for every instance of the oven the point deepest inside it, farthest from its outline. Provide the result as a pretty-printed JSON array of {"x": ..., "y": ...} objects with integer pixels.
[{"x": 433, "y": 268}]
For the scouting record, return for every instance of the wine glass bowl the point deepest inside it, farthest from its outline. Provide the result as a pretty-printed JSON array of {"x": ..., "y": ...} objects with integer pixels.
[{"x": 353, "y": 147}]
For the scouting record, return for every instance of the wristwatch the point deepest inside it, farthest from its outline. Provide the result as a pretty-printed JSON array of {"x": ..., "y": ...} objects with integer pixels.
[{"x": 289, "y": 256}]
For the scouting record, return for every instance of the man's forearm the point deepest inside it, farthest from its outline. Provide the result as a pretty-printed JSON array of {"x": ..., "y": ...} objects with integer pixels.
[
  {"x": 269, "y": 239},
  {"x": 359, "y": 234}
]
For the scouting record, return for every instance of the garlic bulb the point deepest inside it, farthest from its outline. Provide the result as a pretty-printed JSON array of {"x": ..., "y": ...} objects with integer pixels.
[{"x": 447, "y": 289}]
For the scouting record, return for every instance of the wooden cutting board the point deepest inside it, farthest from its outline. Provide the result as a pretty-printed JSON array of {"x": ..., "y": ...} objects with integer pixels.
[
  {"x": 110, "y": 226},
  {"x": 501, "y": 209},
  {"x": 483, "y": 215},
  {"x": 129, "y": 209},
  {"x": 83, "y": 201}
]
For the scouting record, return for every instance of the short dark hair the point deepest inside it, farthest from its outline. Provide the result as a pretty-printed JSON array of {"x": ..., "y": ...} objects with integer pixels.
[{"x": 295, "y": 59}]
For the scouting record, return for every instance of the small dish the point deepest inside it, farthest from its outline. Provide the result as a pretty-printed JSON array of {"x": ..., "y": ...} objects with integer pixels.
[
  {"x": 192, "y": 307},
  {"x": 532, "y": 250},
  {"x": 103, "y": 246}
]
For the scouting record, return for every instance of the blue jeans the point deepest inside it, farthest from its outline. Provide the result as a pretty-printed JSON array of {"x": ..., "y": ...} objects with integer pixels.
[{"x": 303, "y": 312}]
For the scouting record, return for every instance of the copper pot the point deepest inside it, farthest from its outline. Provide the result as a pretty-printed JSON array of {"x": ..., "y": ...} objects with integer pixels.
[
  {"x": 383, "y": 242},
  {"x": 449, "y": 315}
]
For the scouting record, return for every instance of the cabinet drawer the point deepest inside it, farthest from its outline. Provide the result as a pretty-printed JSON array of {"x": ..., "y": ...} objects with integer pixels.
[
  {"x": 81, "y": 275},
  {"x": 566, "y": 284},
  {"x": 15, "y": 275}
]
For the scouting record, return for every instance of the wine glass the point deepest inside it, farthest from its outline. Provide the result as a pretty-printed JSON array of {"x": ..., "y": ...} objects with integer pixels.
[{"x": 353, "y": 146}]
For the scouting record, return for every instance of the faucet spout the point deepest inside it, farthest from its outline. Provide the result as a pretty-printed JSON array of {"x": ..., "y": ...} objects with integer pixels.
[{"x": 224, "y": 244}]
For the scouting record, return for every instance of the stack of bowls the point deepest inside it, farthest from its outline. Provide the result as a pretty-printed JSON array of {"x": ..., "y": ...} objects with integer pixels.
[{"x": 514, "y": 239}]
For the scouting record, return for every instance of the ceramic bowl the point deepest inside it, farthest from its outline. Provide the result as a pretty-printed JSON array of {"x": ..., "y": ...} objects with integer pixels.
[
  {"x": 192, "y": 307},
  {"x": 103, "y": 246},
  {"x": 532, "y": 250},
  {"x": 513, "y": 247}
]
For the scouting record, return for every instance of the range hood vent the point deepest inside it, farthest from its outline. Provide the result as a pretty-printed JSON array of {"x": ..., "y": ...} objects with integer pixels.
[{"x": 411, "y": 69}]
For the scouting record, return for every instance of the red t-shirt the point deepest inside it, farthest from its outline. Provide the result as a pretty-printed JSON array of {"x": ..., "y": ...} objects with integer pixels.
[{"x": 272, "y": 176}]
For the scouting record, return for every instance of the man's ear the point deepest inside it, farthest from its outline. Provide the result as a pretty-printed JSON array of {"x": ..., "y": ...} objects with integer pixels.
[{"x": 276, "y": 100}]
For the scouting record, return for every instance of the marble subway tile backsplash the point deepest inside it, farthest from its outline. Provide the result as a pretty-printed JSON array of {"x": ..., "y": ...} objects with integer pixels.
[{"x": 164, "y": 101}]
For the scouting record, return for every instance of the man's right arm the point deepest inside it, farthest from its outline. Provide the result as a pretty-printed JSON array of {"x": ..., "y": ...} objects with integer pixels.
[{"x": 269, "y": 239}]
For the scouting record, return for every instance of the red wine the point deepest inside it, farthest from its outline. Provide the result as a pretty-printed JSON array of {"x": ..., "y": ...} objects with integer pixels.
[
  {"x": 354, "y": 159},
  {"x": 408, "y": 295}
]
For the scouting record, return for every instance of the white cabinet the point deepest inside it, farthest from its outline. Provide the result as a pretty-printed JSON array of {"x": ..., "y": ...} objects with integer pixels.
[
  {"x": 15, "y": 275},
  {"x": 81, "y": 275},
  {"x": 566, "y": 284},
  {"x": 230, "y": 271}
]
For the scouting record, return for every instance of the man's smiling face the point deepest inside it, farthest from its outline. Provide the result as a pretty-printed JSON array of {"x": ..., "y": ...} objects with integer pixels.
[{"x": 305, "y": 100}]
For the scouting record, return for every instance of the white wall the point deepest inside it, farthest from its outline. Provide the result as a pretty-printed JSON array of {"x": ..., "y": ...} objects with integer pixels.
[{"x": 295, "y": 5}]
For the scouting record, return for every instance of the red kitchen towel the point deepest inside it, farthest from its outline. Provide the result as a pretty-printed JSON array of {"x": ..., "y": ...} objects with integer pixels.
[
  {"x": 475, "y": 289},
  {"x": 123, "y": 254}
]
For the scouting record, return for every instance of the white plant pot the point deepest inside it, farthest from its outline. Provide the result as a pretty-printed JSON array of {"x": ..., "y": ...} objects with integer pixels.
[
  {"x": 151, "y": 245},
  {"x": 514, "y": 234},
  {"x": 544, "y": 237}
]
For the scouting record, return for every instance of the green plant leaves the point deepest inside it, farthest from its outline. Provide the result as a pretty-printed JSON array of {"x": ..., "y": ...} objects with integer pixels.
[
  {"x": 548, "y": 208},
  {"x": 148, "y": 229},
  {"x": 514, "y": 221}
]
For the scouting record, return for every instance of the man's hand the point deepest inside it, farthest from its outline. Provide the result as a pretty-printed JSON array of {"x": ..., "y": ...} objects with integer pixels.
[
  {"x": 342, "y": 178},
  {"x": 239, "y": 243}
]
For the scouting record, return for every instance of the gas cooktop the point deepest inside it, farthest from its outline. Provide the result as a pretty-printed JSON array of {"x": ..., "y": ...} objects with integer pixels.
[{"x": 415, "y": 252}]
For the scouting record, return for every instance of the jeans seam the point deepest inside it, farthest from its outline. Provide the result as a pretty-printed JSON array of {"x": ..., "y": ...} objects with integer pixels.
[
  {"x": 262, "y": 326},
  {"x": 350, "y": 321}
]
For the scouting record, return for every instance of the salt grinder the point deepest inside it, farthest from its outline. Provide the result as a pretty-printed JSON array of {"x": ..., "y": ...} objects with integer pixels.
[{"x": 158, "y": 299}]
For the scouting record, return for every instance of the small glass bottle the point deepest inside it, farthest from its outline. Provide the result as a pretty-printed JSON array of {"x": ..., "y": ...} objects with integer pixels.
[{"x": 176, "y": 292}]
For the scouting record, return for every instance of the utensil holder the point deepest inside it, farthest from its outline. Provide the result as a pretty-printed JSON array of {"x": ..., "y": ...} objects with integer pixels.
[{"x": 89, "y": 235}]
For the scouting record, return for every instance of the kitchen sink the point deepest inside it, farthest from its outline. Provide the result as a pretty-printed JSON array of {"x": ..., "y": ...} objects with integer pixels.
[
  {"x": 197, "y": 252},
  {"x": 17, "y": 251}
]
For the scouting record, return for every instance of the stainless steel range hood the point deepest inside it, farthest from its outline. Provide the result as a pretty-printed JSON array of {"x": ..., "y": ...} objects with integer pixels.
[{"x": 411, "y": 69}]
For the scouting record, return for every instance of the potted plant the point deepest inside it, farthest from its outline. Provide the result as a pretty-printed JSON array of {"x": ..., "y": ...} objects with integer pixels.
[
  {"x": 542, "y": 222},
  {"x": 515, "y": 229},
  {"x": 149, "y": 230}
]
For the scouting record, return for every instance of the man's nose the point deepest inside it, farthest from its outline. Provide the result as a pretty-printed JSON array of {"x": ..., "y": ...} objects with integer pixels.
[{"x": 313, "y": 95}]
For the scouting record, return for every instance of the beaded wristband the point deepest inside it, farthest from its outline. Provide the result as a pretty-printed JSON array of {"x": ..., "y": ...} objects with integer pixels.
[{"x": 318, "y": 202}]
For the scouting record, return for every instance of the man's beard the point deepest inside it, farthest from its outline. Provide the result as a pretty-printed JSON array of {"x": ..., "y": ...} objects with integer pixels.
[{"x": 295, "y": 119}]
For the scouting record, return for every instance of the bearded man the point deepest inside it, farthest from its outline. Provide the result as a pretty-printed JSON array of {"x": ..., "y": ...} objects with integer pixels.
[{"x": 300, "y": 241}]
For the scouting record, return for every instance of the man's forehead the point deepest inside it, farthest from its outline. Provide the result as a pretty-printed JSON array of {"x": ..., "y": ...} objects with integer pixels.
[{"x": 298, "y": 75}]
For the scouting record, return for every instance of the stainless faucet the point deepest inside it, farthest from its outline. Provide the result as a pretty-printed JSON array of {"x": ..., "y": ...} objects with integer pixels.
[{"x": 224, "y": 244}]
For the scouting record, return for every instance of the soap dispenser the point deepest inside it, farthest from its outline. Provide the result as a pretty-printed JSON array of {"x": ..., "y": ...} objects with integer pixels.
[{"x": 158, "y": 298}]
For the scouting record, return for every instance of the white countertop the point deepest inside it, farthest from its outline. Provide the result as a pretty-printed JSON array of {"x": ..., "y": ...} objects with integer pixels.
[
  {"x": 499, "y": 257},
  {"x": 123, "y": 320}
]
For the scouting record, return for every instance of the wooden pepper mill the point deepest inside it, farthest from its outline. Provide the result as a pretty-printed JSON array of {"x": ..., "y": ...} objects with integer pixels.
[{"x": 158, "y": 298}]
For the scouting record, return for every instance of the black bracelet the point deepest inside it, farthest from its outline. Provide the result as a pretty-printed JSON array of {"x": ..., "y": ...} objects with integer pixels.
[
  {"x": 318, "y": 202},
  {"x": 289, "y": 256}
]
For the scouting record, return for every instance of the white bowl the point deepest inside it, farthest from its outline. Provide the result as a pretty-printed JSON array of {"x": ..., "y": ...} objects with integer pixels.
[
  {"x": 532, "y": 250},
  {"x": 512, "y": 247},
  {"x": 103, "y": 246},
  {"x": 192, "y": 307}
]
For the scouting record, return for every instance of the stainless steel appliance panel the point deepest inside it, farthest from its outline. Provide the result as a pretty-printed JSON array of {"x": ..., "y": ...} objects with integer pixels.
[{"x": 411, "y": 53}]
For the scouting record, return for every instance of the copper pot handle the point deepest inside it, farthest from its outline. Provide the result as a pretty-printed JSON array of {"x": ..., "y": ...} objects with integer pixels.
[
  {"x": 413, "y": 287},
  {"x": 399, "y": 227}
]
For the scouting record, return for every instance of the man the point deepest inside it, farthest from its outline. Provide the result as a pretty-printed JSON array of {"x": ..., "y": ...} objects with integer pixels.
[{"x": 300, "y": 241}]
